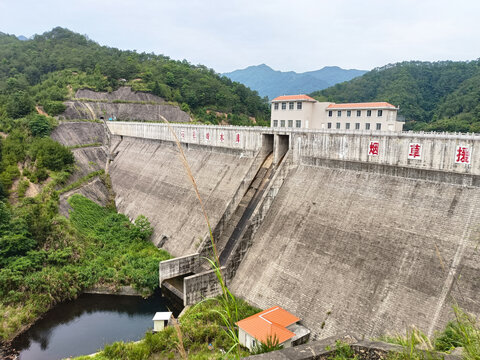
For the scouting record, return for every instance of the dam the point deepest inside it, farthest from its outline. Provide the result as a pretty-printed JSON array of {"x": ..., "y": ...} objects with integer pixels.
[{"x": 367, "y": 232}]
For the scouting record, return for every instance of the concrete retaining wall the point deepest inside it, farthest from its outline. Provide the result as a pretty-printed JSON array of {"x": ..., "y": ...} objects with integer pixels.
[
  {"x": 178, "y": 266},
  {"x": 201, "y": 286}
]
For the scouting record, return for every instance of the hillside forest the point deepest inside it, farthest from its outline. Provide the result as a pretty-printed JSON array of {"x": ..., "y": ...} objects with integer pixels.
[
  {"x": 432, "y": 96},
  {"x": 49, "y": 68}
]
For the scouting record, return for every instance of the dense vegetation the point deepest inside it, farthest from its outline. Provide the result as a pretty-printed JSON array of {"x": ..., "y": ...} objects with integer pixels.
[
  {"x": 439, "y": 96},
  {"x": 44, "y": 257},
  {"x": 200, "y": 330},
  {"x": 46, "y": 69}
]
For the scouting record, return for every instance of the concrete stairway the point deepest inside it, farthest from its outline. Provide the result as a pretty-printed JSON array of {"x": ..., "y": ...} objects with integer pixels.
[{"x": 237, "y": 222}]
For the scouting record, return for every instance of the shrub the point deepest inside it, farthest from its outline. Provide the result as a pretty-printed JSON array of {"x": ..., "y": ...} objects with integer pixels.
[
  {"x": 54, "y": 108},
  {"x": 51, "y": 155},
  {"x": 39, "y": 125}
]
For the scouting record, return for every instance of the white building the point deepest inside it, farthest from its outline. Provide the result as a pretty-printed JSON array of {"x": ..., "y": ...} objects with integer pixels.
[
  {"x": 302, "y": 111},
  {"x": 160, "y": 320}
]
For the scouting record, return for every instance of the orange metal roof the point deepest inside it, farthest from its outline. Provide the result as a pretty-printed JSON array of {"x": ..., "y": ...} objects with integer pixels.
[
  {"x": 269, "y": 323},
  {"x": 361, "y": 105},
  {"x": 294, "y": 97}
]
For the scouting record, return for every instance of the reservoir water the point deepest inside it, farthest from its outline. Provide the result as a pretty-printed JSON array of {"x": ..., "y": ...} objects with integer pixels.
[{"x": 85, "y": 325}]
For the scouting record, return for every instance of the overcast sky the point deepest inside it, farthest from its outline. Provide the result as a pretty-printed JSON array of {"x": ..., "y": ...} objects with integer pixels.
[{"x": 299, "y": 35}]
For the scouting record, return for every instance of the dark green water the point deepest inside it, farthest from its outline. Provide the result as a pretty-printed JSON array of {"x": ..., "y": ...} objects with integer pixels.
[{"x": 85, "y": 325}]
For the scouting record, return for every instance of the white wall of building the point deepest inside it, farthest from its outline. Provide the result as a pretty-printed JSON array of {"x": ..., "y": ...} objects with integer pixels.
[
  {"x": 289, "y": 116},
  {"x": 316, "y": 115}
]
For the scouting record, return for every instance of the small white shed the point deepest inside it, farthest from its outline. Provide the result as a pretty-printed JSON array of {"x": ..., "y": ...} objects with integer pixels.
[{"x": 160, "y": 320}]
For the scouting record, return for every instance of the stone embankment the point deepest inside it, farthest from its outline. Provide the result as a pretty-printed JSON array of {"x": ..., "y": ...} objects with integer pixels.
[
  {"x": 122, "y": 104},
  {"x": 89, "y": 143}
]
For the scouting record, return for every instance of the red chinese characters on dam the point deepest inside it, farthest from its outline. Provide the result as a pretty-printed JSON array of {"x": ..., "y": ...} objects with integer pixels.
[
  {"x": 373, "y": 148},
  {"x": 462, "y": 155},
  {"x": 415, "y": 151}
]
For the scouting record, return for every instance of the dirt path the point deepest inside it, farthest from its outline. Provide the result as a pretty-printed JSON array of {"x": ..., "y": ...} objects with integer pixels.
[{"x": 40, "y": 110}]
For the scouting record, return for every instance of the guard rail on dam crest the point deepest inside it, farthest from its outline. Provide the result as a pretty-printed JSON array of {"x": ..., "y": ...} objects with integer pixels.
[{"x": 386, "y": 152}]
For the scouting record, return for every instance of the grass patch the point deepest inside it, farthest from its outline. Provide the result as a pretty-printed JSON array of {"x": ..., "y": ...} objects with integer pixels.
[
  {"x": 85, "y": 145},
  {"x": 81, "y": 181}
]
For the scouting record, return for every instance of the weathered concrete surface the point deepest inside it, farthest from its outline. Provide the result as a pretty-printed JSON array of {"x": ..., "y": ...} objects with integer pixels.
[
  {"x": 92, "y": 105},
  {"x": 87, "y": 159},
  {"x": 80, "y": 109},
  {"x": 122, "y": 93},
  {"x": 438, "y": 151},
  {"x": 148, "y": 178},
  {"x": 71, "y": 133},
  {"x": 378, "y": 252},
  {"x": 201, "y": 286},
  {"x": 95, "y": 190},
  {"x": 178, "y": 266}
]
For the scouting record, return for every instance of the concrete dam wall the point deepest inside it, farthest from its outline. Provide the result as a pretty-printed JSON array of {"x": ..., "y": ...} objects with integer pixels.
[
  {"x": 148, "y": 178},
  {"x": 360, "y": 237},
  {"x": 365, "y": 252}
]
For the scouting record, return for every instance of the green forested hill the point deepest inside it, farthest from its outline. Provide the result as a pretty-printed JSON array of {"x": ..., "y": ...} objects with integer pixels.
[
  {"x": 440, "y": 96},
  {"x": 39, "y": 71}
]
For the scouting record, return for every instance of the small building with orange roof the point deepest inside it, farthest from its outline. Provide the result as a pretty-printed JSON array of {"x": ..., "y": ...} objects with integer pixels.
[
  {"x": 274, "y": 323},
  {"x": 303, "y": 111}
]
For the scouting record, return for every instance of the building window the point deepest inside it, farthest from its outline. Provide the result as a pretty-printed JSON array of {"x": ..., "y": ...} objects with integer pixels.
[
  {"x": 329, "y": 125},
  {"x": 339, "y": 113},
  {"x": 347, "y": 126},
  {"x": 282, "y": 123},
  {"x": 359, "y": 113},
  {"x": 275, "y": 123},
  {"x": 299, "y": 105},
  {"x": 338, "y": 125},
  {"x": 284, "y": 106},
  {"x": 379, "y": 126},
  {"x": 291, "y": 105},
  {"x": 330, "y": 113},
  {"x": 379, "y": 112},
  {"x": 298, "y": 123},
  {"x": 275, "y": 106},
  {"x": 357, "y": 126},
  {"x": 369, "y": 112},
  {"x": 290, "y": 123},
  {"x": 367, "y": 126},
  {"x": 349, "y": 113}
]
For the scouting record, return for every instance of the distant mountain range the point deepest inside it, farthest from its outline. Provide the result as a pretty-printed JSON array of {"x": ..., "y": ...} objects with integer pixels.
[{"x": 272, "y": 83}]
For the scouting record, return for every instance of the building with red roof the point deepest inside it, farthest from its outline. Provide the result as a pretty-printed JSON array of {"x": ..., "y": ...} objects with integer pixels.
[
  {"x": 303, "y": 111},
  {"x": 274, "y": 323}
]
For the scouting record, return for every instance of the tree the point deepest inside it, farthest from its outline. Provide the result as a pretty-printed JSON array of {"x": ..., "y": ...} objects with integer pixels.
[
  {"x": 39, "y": 125},
  {"x": 19, "y": 105}
]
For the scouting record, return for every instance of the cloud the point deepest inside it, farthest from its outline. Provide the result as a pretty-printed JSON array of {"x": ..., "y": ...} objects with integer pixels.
[{"x": 302, "y": 35}]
